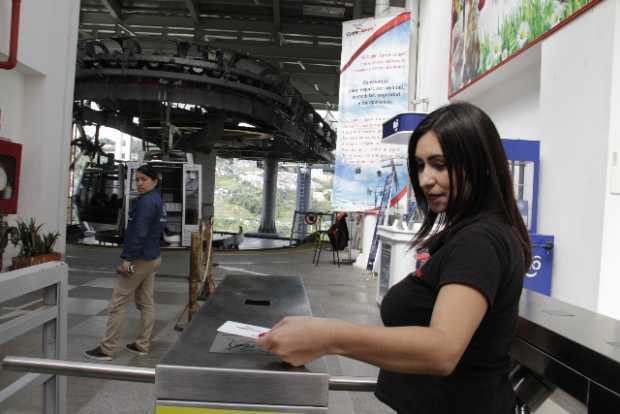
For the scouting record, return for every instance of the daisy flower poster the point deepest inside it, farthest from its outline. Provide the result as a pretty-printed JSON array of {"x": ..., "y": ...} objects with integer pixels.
[{"x": 487, "y": 33}]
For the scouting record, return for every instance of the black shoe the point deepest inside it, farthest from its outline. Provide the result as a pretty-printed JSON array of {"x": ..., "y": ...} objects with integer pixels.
[
  {"x": 132, "y": 347},
  {"x": 97, "y": 354}
]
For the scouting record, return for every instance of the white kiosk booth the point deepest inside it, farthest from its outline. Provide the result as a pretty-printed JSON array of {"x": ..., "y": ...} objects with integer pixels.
[{"x": 397, "y": 256}]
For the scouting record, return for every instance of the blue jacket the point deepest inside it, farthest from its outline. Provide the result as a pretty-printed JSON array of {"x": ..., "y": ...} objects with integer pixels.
[{"x": 147, "y": 219}]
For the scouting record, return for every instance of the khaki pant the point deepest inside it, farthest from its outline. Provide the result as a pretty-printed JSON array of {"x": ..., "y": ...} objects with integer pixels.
[{"x": 140, "y": 285}]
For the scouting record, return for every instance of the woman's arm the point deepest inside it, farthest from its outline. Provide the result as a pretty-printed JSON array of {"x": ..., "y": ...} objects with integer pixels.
[{"x": 435, "y": 350}]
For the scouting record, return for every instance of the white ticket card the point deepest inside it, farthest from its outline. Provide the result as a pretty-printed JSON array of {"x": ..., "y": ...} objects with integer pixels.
[{"x": 242, "y": 329}]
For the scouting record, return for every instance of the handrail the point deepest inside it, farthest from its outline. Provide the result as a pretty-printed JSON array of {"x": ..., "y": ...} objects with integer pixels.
[
  {"x": 49, "y": 316},
  {"x": 361, "y": 384},
  {"x": 140, "y": 374},
  {"x": 11, "y": 62},
  {"x": 79, "y": 369}
]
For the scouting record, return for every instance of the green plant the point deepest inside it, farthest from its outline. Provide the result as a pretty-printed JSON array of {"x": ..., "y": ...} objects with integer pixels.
[
  {"x": 31, "y": 240},
  {"x": 6, "y": 233}
]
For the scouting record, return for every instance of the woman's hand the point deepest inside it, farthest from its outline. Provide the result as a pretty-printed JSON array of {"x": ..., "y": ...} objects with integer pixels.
[
  {"x": 123, "y": 268},
  {"x": 299, "y": 339}
]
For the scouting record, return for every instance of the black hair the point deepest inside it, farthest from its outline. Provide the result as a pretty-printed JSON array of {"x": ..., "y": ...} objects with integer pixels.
[
  {"x": 150, "y": 172},
  {"x": 478, "y": 171}
]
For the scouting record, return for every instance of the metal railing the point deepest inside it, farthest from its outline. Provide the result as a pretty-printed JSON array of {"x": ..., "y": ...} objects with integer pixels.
[
  {"x": 51, "y": 315},
  {"x": 140, "y": 374}
]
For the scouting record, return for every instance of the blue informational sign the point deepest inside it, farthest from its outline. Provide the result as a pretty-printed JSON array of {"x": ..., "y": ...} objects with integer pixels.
[
  {"x": 538, "y": 277},
  {"x": 518, "y": 150},
  {"x": 385, "y": 199},
  {"x": 398, "y": 130}
]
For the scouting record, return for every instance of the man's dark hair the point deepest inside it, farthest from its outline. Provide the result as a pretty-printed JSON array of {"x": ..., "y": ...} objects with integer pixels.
[{"x": 478, "y": 171}]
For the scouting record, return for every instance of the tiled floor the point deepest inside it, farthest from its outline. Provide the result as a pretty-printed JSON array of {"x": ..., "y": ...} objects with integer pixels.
[{"x": 343, "y": 292}]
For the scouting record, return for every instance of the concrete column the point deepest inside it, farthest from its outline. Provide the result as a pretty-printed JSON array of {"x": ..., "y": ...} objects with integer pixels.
[
  {"x": 204, "y": 154},
  {"x": 413, "y": 6},
  {"x": 302, "y": 201},
  {"x": 270, "y": 181},
  {"x": 382, "y": 8},
  {"x": 208, "y": 161},
  {"x": 357, "y": 9}
]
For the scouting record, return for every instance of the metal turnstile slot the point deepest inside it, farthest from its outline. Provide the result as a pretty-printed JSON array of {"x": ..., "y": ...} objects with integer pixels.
[
  {"x": 257, "y": 302},
  {"x": 230, "y": 344}
]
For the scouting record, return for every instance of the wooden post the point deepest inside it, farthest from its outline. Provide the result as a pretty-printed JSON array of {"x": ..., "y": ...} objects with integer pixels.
[
  {"x": 194, "y": 273},
  {"x": 207, "y": 269}
]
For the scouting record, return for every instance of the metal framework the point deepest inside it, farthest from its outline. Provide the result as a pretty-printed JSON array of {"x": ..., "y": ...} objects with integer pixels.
[
  {"x": 207, "y": 98},
  {"x": 300, "y": 37}
]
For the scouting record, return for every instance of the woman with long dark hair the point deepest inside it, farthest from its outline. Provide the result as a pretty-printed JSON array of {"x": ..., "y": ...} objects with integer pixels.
[
  {"x": 450, "y": 323},
  {"x": 140, "y": 261}
]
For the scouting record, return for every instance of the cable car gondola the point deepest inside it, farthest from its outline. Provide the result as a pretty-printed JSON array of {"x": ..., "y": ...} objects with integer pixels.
[{"x": 106, "y": 190}]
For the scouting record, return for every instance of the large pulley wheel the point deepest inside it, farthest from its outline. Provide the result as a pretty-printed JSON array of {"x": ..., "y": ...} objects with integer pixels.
[{"x": 310, "y": 218}]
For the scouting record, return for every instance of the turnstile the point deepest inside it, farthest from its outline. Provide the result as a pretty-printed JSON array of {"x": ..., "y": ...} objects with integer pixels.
[
  {"x": 557, "y": 346},
  {"x": 207, "y": 372},
  {"x": 210, "y": 372}
]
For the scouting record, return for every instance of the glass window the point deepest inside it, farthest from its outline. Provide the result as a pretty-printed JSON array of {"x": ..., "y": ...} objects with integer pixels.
[{"x": 192, "y": 201}]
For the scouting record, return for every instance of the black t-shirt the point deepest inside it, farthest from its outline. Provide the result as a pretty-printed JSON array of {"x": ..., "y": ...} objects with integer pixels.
[{"x": 483, "y": 253}]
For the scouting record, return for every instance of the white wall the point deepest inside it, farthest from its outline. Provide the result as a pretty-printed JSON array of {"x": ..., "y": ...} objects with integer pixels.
[
  {"x": 36, "y": 102},
  {"x": 433, "y": 53},
  {"x": 11, "y": 97},
  {"x": 515, "y": 111},
  {"x": 575, "y": 104},
  {"x": 33, "y": 43},
  {"x": 609, "y": 284},
  {"x": 557, "y": 92}
]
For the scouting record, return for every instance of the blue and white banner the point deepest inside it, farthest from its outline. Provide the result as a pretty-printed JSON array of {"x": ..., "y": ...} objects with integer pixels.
[{"x": 374, "y": 84}]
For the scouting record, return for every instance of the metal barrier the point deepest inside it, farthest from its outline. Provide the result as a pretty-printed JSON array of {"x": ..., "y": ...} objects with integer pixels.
[
  {"x": 232, "y": 374},
  {"x": 140, "y": 374},
  {"x": 51, "y": 278},
  {"x": 79, "y": 369},
  {"x": 559, "y": 345}
]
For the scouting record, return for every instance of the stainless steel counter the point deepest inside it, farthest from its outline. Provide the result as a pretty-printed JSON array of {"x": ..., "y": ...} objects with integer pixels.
[
  {"x": 209, "y": 369},
  {"x": 572, "y": 348}
]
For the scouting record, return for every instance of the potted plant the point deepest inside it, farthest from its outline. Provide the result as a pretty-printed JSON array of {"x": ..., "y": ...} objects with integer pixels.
[
  {"x": 35, "y": 247},
  {"x": 6, "y": 233}
]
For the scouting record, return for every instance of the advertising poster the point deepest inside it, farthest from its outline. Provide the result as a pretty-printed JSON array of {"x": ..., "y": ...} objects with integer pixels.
[
  {"x": 374, "y": 84},
  {"x": 485, "y": 33}
]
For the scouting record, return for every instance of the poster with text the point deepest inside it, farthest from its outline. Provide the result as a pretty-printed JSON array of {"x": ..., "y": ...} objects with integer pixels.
[
  {"x": 374, "y": 84},
  {"x": 485, "y": 33}
]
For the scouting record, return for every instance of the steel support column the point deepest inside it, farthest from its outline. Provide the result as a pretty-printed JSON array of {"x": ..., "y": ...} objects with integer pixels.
[
  {"x": 208, "y": 161},
  {"x": 270, "y": 183},
  {"x": 302, "y": 201}
]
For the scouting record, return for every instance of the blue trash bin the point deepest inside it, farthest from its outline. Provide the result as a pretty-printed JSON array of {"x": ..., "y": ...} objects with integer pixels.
[{"x": 538, "y": 277}]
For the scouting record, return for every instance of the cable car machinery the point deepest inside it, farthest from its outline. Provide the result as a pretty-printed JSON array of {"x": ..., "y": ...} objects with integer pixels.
[{"x": 181, "y": 98}]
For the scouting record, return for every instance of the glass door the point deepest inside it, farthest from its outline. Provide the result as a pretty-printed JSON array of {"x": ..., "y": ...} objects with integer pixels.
[{"x": 192, "y": 201}]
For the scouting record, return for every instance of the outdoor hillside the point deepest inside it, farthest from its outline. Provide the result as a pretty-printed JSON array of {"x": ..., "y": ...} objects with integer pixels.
[{"x": 238, "y": 195}]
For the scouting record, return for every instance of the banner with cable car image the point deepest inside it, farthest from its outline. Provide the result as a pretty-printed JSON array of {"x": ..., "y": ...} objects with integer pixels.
[{"x": 374, "y": 86}]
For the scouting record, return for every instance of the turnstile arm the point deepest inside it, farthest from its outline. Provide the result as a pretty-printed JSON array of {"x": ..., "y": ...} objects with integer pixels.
[
  {"x": 79, "y": 369},
  {"x": 139, "y": 374}
]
